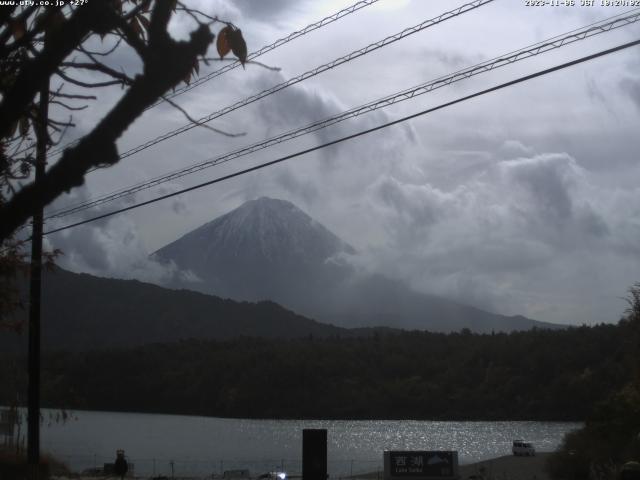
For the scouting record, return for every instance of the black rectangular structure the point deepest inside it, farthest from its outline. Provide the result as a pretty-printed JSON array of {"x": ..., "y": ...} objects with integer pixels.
[{"x": 314, "y": 454}]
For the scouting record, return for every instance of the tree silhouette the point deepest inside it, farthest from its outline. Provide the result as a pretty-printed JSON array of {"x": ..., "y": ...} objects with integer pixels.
[{"x": 38, "y": 44}]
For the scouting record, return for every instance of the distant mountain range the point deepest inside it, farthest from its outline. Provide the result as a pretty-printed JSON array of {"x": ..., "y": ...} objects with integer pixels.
[{"x": 270, "y": 249}]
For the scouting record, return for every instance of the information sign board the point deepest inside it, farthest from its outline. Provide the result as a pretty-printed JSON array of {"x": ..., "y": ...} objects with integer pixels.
[{"x": 420, "y": 465}]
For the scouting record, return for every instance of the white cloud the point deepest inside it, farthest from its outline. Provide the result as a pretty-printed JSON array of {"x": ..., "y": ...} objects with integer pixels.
[
  {"x": 111, "y": 247},
  {"x": 501, "y": 239}
]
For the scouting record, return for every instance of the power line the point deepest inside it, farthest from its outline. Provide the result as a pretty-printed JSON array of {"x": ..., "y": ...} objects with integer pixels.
[
  {"x": 292, "y": 36},
  {"x": 497, "y": 62},
  {"x": 311, "y": 73},
  {"x": 252, "y": 56},
  {"x": 355, "y": 135}
]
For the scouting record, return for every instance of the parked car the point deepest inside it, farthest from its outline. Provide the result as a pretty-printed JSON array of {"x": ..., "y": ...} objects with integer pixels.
[{"x": 521, "y": 447}]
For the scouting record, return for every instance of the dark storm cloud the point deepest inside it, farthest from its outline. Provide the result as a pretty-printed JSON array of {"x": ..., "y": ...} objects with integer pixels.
[
  {"x": 556, "y": 210},
  {"x": 294, "y": 106},
  {"x": 547, "y": 180},
  {"x": 271, "y": 9},
  {"x": 302, "y": 105},
  {"x": 630, "y": 83}
]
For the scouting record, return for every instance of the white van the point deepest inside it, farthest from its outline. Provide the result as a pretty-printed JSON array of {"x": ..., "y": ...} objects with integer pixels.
[{"x": 521, "y": 447}]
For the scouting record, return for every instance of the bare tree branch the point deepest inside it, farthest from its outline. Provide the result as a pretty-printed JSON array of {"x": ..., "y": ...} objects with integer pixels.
[
  {"x": 192, "y": 15},
  {"x": 61, "y": 42},
  {"x": 80, "y": 83},
  {"x": 7, "y": 33},
  {"x": 99, "y": 67},
  {"x": 68, "y": 107},
  {"x": 166, "y": 63},
  {"x": 53, "y": 122},
  {"x": 191, "y": 11},
  {"x": 201, "y": 124},
  {"x": 18, "y": 152},
  {"x": 130, "y": 36},
  {"x": 143, "y": 7},
  {"x": 160, "y": 16},
  {"x": 5, "y": 13},
  {"x": 101, "y": 54},
  {"x": 76, "y": 96}
]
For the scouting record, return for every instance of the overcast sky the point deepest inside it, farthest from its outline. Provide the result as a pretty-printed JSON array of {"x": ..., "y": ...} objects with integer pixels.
[{"x": 524, "y": 201}]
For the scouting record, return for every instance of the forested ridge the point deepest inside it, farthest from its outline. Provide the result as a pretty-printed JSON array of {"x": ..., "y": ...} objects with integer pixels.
[
  {"x": 84, "y": 312},
  {"x": 534, "y": 375}
]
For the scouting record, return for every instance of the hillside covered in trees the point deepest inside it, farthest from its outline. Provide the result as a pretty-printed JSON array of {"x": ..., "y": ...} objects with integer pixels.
[
  {"x": 84, "y": 312},
  {"x": 537, "y": 375},
  {"x": 611, "y": 435}
]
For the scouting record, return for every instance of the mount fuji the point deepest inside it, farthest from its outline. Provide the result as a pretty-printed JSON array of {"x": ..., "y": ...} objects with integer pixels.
[{"x": 269, "y": 249}]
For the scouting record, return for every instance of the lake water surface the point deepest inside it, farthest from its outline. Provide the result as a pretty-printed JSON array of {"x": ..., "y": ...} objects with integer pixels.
[{"x": 201, "y": 446}]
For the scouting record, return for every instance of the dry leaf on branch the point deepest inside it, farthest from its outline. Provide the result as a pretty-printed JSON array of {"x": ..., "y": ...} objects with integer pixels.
[
  {"x": 238, "y": 45},
  {"x": 222, "y": 43}
]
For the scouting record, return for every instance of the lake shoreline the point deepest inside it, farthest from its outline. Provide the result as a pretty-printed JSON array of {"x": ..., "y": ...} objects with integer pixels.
[
  {"x": 504, "y": 467},
  {"x": 71, "y": 409},
  {"x": 200, "y": 446}
]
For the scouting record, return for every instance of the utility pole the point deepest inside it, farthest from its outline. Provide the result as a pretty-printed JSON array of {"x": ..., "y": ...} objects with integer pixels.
[{"x": 33, "y": 392}]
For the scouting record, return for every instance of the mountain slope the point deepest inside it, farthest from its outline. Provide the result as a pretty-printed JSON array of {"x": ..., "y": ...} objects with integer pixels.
[
  {"x": 270, "y": 231},
  {"x": 270, "y": 249},
  {"x": 377, "y": 300},
  {"x": 82, "y": 312},
  {"x": 266, "y": 249}
]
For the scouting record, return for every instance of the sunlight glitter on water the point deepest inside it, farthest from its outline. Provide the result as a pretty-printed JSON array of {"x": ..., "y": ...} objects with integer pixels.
[{"x": 205, "y": 445}]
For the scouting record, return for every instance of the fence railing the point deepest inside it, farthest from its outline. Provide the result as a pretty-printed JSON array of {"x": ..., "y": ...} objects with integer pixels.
[{"x": 216, "y": 468}]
